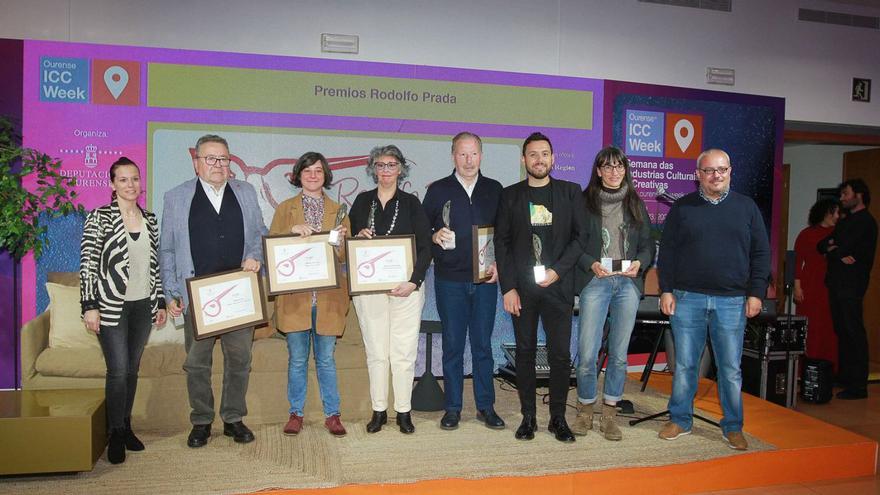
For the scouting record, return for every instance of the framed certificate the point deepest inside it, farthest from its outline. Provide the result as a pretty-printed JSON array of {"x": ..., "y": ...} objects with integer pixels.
[
  {"x": 297, "y": 264},
  {"x": 225, "y": 301},
  {"x": 379, "y": 264},
  {"x": 483, "y": 249}
]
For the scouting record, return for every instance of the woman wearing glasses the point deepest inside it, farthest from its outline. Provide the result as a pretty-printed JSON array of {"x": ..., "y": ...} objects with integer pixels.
[
  {"x": 390, "y": 322},
  {"x": 316, "y": 317},
  {"x": 617, "y": 254},
  {"x": 121, "y": 295}
]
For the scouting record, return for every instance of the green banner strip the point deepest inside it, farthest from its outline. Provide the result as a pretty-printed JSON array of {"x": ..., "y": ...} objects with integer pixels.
[{"x": 276, "y": 91}]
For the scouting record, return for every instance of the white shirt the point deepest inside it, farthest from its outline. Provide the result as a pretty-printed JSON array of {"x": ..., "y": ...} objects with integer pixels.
[
  {"x": 469, "y": 189},
  {"x": 215, "y": 197}
]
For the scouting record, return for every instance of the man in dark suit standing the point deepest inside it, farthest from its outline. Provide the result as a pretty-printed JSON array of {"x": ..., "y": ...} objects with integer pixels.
[
  {"x": 850, "y": 251},
  {"x": 539, "y": 236}
]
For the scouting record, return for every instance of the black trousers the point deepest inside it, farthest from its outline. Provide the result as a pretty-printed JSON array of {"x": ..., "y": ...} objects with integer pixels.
[
  {"x": 852, "y": 340},
  {"x": 556, "y": 317}
]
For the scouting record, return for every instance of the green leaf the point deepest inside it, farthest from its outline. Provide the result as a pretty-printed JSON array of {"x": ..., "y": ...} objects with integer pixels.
[{"x": 20, "y": 208}]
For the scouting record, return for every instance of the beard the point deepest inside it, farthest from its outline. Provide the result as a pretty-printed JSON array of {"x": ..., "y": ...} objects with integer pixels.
[{"x": 538, "y": 175}]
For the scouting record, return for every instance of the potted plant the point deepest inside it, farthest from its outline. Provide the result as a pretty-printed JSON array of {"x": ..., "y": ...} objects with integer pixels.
[{"x": 24, "y": 211}]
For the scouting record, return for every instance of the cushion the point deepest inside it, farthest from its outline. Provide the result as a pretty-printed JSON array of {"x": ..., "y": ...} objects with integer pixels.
[
  {"x": 66, "y": 329},
  {"x": 168, "y": 334},
  {"x": 158, "y": 360},
  {"x": 267, "y": 355},
  {"x": 70, "y": 279}
]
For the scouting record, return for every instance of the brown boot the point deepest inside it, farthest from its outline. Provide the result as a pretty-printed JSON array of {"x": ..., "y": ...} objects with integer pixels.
[
  {"x": 583, "y": 422},
  {"x": 607, "y": 424}
]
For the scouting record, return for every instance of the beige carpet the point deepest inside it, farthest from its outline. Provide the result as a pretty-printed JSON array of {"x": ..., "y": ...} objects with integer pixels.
[{"x": 315, "y": 459}]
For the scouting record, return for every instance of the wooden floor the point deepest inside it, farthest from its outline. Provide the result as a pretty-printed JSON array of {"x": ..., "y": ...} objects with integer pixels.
[{"x": 859, "y": 416}]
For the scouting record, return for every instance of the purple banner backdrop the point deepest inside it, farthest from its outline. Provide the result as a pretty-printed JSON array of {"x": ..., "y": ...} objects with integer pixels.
[
  {"x": 87, "y": 104},
  {"x": 70, "y": 114},
  {"x": 10, "y": 107},
  {"x": 663, "y": 129}
]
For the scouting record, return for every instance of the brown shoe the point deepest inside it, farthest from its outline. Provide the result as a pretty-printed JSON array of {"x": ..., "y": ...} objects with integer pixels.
[
  {"x": 294, "y": 425},
  {"x": 671, "y": 431},
  {"x": 607, "y": 425},
  {"x": 736, "y": 440},
  {"x": 334, "y": 426},
  {"x": 583, "y": 422}
]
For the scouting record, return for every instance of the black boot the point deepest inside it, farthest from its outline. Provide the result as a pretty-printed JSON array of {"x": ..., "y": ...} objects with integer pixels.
[
  {"x": 132, "y": 442},
  {"x": 116, "y": 449},
  {"x": 379, "y": 418},
  {"x": 527, "y": 428},
  {"x": 404, "y": 421},
  {"x": 559, "y": 428}
]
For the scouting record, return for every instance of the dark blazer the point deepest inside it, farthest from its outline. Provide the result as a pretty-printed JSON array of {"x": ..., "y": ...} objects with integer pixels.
[
  {"x": 513, "y": 238},
  {"x": 638, "y": 237},
  {"x": 854, "y": 235}
]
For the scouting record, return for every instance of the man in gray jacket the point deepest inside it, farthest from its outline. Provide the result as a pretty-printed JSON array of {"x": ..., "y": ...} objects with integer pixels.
[{"x": 211, "y": 224}]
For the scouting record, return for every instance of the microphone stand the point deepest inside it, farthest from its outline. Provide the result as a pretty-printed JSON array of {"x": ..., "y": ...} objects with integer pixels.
[{"x": 665, "y": 412}]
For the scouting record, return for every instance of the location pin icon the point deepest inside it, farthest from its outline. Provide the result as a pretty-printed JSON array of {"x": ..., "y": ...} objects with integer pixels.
[
  {"x": 116, "y": 79},
  {"x": 684, "y": 134}
]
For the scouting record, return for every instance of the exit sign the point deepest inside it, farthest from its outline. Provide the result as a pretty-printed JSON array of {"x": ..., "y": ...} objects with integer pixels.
[{"x": 861, "y": 90}]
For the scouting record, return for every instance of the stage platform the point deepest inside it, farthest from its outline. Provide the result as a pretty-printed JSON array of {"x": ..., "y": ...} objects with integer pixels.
[
  {"x": 786, "y": 447},
  {"x": 806, "y": 450}
]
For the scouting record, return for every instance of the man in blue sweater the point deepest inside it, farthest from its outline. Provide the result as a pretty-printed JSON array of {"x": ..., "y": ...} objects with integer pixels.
[
  {"x": 714, "y": 268},
  {"x": 465, "y": 307}
]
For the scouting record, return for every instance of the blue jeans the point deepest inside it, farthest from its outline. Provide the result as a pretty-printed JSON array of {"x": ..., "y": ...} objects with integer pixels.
[
  {"x": 298, "y": 369},
  {"x": 619, "y": 294},
  {"x": 725, "y": 318},
  {"x": 467, "y": 310}
]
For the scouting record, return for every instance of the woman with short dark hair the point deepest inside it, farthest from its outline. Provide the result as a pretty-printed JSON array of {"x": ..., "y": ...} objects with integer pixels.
[{"x": 315, "y": 317}]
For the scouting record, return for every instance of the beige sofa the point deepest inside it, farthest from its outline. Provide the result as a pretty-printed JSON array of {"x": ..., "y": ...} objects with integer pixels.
[{"x": 161, "y": 401}]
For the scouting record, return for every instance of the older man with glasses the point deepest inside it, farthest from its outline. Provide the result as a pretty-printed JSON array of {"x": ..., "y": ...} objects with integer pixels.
[
  {"x": 714, "y": 267},
  {"x": 211, "y": 224}
]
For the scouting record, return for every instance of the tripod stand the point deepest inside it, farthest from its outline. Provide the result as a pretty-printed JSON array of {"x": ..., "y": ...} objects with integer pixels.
[{"x": 647, "y": 374}]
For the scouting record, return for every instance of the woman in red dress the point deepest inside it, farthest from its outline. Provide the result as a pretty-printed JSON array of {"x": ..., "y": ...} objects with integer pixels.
[{"x": 810, "y": 292}]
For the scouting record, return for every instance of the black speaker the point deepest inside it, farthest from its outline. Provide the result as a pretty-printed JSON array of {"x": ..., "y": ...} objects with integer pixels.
[
  {"x": 789, "y": 267},
  {"x": 818, "y": 381}
]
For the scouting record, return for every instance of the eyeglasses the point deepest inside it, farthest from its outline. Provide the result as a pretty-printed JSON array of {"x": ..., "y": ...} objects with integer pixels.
[
  {"x": 390, "y": 166},
  {"x": 722, "y": 171},
  {"x": 613, "y": 168},
  {"x": 215, "y": 161}
]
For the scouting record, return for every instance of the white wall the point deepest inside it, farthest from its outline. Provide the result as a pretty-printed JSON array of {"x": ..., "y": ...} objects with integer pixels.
[
  {"x": 811, "y": 65},
  {"x": 812, "y": 167}
]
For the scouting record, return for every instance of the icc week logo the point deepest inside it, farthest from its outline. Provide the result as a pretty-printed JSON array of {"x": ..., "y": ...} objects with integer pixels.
[
  {"x": 97, "y": 82},
  {"x": 663, "y": 147},
  {"x": 69, "y": 80},
  {"x": 663, "y": 134}
]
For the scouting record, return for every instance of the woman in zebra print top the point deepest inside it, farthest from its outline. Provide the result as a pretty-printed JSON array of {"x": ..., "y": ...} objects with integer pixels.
[{"x": 121, "y": 295}]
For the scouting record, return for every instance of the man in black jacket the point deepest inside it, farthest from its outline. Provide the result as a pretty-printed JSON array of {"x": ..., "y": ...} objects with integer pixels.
[
  {"x": 850, "y": 251},
  {"x": 466, "y": 309},
  {"x": 540, "y": 233}
]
